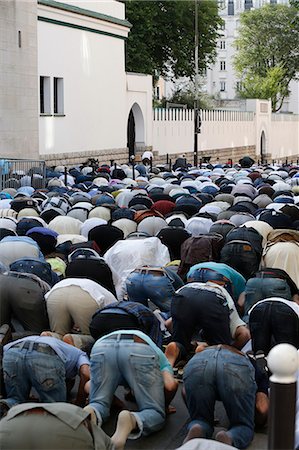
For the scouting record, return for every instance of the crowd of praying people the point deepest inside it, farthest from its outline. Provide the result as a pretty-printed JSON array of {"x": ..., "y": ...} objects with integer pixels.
[{"x": 163, "y": 281}]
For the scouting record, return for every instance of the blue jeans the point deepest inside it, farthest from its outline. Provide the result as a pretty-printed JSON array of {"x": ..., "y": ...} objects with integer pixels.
[
  {"x": 220, "y": 374},
  {"x": 24, "y": 369},
  {"x": 125, "y": 362},
  {"x": 142, "y": 287},
  {"x": 260, "y": 288}
]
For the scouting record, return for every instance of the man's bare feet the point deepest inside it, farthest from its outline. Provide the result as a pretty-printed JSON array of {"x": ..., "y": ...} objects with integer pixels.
[
  {"x": 172, "y": 353},
  {"x": 126, "y": 423},
  {"x": 224, "y": 437},
  {"x": 195, "y": 431}
]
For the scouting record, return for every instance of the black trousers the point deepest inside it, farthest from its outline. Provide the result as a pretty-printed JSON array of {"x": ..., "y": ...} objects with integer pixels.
[
  {"x": 197, "y": 309},
  {"x": 273, "y": 323},
  {"x": 104, "y": 323}
]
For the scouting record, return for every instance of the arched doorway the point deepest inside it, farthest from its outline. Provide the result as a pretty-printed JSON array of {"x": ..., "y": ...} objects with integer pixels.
[
  {"x": 135, "y": 130},
  {"x": 263, "y": 146}
]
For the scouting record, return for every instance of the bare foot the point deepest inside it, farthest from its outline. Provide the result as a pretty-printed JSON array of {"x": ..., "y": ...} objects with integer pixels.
[
  {"x": 224, "y": 437},
  {"x": 172, "y": 353},
  {"x": 126, "y": 423},
  {"x": 195, "y": 431},
  {"x": 170, "y": 410}
]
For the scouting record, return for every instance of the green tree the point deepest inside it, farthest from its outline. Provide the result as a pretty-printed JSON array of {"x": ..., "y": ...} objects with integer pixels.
[
  {"x": 267, "y": 57},
  {"x": 184, "y": 94},
  {"x": 162, "y": 36}
]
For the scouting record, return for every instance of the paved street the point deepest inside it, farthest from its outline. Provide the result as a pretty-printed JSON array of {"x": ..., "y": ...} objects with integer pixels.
[{"x": 173, "y": 434}]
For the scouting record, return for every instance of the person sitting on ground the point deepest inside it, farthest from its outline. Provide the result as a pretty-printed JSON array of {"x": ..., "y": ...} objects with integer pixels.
[{"x": 130, "y": 357}]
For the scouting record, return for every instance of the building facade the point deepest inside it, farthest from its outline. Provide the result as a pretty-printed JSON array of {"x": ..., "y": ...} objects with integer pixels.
[{"x": 221, "y": 81}]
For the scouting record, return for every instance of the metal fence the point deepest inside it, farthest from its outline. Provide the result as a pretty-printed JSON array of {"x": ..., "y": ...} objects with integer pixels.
[{"x": 16, "y": 173}]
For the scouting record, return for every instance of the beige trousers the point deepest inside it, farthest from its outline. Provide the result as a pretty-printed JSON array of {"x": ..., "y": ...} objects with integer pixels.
[{"x": 68, "y": 306}]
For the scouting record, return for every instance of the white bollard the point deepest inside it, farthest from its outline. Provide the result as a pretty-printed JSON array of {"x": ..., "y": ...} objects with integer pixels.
[{"x": 283, "y": 362}]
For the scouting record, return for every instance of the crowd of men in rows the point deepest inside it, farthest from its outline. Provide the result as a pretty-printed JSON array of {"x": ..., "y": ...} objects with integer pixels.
[{"x": 142, "y": 278}]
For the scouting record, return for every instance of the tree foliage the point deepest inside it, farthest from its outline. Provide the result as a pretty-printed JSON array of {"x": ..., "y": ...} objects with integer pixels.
[
  {"x": 162, "y": 37},
  {"x": 185, "y": 94},
  {"x": 267, "y": 57}
]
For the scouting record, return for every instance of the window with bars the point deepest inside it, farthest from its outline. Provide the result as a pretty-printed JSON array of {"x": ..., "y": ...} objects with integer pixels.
[
  {"x": 222, "y": 45},
  {"x": 222, "y": 65},
  {"x": 230, "y": 8}
]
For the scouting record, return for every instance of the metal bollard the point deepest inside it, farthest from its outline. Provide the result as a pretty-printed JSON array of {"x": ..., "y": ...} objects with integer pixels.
[
  {"x": 65, "y": 175},
  {"x": 133, "y": 166},
  {"x": 283, "y": 362}
]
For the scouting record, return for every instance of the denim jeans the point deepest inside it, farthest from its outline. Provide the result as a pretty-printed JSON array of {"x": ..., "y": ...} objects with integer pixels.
[
  {"x": 142, "y": 287},
  {"x": 124, "y": 362},
  {"x": 272, "y": 323},
  {"x": 204, "y": 274},
  {"x": 260, "y": 288},
  {"x": 24, "y": 369},
  {"x": 220, "y": 374}
]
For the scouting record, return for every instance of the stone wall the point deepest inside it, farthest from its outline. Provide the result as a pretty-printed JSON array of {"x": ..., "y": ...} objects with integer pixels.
[
  {"x": 218, "y": 155},
  {"x": 120, "y": 155},
  {"x": 18, "y": 79}
]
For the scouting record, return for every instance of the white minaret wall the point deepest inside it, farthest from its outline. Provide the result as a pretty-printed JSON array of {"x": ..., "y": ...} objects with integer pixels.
[{"x": 18, "y": 79}]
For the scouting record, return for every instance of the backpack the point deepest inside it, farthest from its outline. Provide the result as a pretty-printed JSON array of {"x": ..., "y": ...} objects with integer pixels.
[
  {"x": 197, "y": 249},
  {"x": 41, "y": 269},
  {"x": 242, "y": 256},
  {"x": 248, "y": 235}
]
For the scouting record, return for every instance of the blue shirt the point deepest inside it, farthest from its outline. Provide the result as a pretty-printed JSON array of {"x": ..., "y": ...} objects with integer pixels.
[
  {"x": 164, "y": 363},
  {"x": 237, "y": 280},
  {"x": 72, "y": 357}
]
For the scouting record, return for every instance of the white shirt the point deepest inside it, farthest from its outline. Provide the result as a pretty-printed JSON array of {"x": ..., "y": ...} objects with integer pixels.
[
  {"x": 293, "y": 305},
  {"x": 101, "y": 295}
]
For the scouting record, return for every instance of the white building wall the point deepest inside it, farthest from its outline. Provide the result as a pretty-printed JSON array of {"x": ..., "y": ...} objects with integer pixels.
[
  {"x": 18, "y": 79},
  {"x": 173, "y": 130},
  {"x": 284, "y": 135},
  {"x": 92, "y": 67},
  {"x": 139, "y": 97}
]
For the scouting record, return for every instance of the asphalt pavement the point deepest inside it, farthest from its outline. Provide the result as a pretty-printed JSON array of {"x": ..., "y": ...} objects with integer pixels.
[{"x": 175, "y": 429}]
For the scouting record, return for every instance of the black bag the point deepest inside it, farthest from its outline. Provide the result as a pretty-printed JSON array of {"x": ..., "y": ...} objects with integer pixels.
[{"x": 242, "y": 256}]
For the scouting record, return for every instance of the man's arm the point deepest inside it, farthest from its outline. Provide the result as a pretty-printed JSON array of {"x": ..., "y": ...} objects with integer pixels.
[{"x": 84, "y": 373}]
